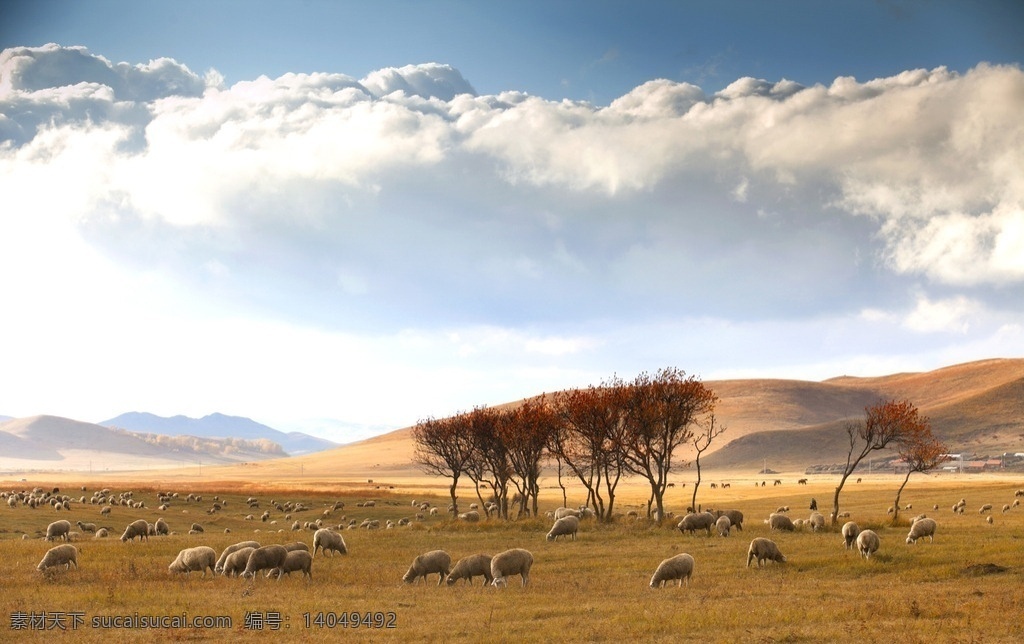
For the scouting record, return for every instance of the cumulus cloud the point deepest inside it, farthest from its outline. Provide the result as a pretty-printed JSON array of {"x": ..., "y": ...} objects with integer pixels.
[{"x": 409, "y": 187}]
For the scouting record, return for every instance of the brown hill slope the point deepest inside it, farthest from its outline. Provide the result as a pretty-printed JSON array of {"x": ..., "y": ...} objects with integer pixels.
[{"x": 978, "y": 405}]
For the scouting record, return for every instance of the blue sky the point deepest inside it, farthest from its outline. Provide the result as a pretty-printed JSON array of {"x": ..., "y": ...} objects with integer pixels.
[{"x": 342, "y": 217}]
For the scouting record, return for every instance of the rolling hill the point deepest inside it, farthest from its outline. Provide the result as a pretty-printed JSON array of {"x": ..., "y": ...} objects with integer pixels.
[
  {"x": 974, "y": 407},
  {"x": 790, "y": 424}
]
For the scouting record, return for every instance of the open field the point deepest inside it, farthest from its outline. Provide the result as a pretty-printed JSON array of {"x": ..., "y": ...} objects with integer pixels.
[{"x": 593, "y": 589}]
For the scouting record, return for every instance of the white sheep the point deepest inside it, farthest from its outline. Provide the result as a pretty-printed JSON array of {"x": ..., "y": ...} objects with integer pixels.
[
  {"x": 264, "y": 558},
  {"x": 101, "y": 533},
  {"x": 472, "y": 516},
  {"x": 236, "y": 561},
  {"x": 62, "y": 555},
  {"x": 922, "y": 528},
  {"x": 867, "y": 543},
  {"x": 678, "y": 567},
  {"x": 566, "y": 512},
  {"x": 235, "y": 547},
  {"x": 58, "y": 529},
  {"x": 780, "y": 522},
  {"x": 296, "y": 560},
  {"x": 722, "y": 526},
  {"x": 850, "y": 532},
  {"x": 764, "y": 550},
  {"x": 699, "y": 521},
  {"x": 435, "y": 561},
  {"x": 469, "y": 567},
  {"x": 194, "y": 559},
  {"x": 327, "y": 540},
  {"x": 161, "y": 527},
  {"x": 139, "y": 528},
  {"x": 816, "y": 521},
  {"x": 985, "y": 508},
  {"x": 566, "y": 526},
  {"x": 516, "y": 561},
  {"x": 86, "y": 527}
]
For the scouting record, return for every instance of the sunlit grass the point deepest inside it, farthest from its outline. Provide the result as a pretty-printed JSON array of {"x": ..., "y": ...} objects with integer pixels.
[{"x": 591, "y": 589}]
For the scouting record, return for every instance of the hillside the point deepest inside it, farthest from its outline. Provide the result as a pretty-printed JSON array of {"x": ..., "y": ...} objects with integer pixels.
[
  {"x": 788, "y": 424},
  {"x": 977, "y": 406}
]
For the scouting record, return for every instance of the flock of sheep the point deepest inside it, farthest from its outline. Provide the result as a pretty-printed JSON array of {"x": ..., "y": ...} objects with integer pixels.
[{"x": 248, "y": 558}]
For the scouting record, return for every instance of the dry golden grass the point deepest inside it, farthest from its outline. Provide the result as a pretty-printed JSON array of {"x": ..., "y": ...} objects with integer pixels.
[{"x": 593, "y": 589}]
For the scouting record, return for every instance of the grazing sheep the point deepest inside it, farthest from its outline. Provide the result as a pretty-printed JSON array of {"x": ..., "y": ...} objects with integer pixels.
[
  {"x": 296, "y": 545},
  {"x": 264, "y": 558},
  {"x": 236, "y": 561},
  {"x": 327, "y": 540},
  {"x": 679, "y": 567},
  {"x": 469, "y": 567},
  {"x": 566, "y": 512},
  {"x": 1006, "y": 507},
  {"x": 516, "y": 561},
  {"x": 780, "y": 522},
  {"x": 295, "y": 560},
  {"x": 62, "y": 555},
  {"x": 102, "y": 533},
  {"x": 722, "y": 526},
  {"x": 219, "y": 566},
  {"x": 566, "y": 526},
  {"x": 435, "y": 561},
  {"x": 58, "y": 529},
  {"x": 735, "y": 518},
  {"x": 195, "y": 528},
  {"x": 139, "y": 528},
  {"x": 472, "y": 516},
  {"x": 922, "y": 528},
  {"x": 816, "y": 521},
  {"x": 86, "y": 527},
  {"x": 867, "y": 543},
  {"x": 764, "y": 550},
  {"x": 988, "y": 519},
  {"x": 198, "y": 558},
  {"x": 700, "y": 521},
  {"x": 850, "y": 532},
  {"x": 985, "y": 508},
  {"x": 161, "y": 527}
]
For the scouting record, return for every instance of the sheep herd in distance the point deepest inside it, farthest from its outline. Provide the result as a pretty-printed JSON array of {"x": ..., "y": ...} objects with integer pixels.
[{"x": 375, "y": 549}]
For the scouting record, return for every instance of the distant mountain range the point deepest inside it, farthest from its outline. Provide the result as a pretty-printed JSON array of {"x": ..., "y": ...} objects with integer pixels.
[
  {"x": 219, "y": 426},
  {"x": 52, "y": 442}
]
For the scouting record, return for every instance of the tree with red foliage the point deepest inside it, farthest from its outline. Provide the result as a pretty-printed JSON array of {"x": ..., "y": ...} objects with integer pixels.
[
  {"x": 885, "y": 423},
  {"x": 920, "y": 450},
  {"x": 661, "y": 411}
]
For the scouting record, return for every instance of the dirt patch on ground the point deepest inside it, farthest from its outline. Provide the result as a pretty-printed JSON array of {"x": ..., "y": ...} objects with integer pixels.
[{"x": 977, "y": 570}]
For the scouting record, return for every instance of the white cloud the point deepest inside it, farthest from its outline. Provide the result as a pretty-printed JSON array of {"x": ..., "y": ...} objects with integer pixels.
[
  {"x": 947, "y": 315},
  {"x": 321, "y": 233}
]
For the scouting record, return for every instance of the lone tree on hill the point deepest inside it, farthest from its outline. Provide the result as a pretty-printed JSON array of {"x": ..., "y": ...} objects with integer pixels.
[
  {"x": 885, "y": 423},
  {"x": 921, "y": 451},
  {"x": 701, "y": 442}
]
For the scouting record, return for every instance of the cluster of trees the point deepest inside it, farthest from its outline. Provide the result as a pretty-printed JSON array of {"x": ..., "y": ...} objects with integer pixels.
[{"x": 600, "y": 435}]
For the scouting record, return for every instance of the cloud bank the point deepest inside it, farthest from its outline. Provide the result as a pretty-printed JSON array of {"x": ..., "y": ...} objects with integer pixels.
[{"x": 404, "y": 202}]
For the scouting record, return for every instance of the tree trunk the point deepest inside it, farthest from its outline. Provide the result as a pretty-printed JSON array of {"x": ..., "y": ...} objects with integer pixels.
[
  {"x": 455, "y": 502},
  {"x": 835, "y": 499},
  {"x": 896, "y": 504}
]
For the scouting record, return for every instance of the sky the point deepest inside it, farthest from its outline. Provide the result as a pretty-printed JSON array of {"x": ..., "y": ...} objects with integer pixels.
[{"x": 344, "y": 217}]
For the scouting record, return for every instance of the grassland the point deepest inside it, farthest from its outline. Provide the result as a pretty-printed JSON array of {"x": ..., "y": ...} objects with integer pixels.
[{"x": 593, "y": 589}]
